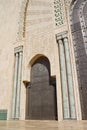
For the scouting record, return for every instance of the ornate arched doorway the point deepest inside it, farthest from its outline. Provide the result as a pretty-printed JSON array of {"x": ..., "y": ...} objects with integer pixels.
[
  {"x": 41, "y": 92},
  {"x": 79, "y": 33}
]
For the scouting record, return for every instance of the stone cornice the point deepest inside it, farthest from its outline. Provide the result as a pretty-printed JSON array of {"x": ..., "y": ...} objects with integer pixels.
[
  {"x": 18, "y": 49},
  {"x": 62, "y": 35}
]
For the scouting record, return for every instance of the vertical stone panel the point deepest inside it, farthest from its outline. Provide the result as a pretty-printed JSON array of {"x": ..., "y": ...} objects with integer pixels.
[{"x": 80, "y": 54}]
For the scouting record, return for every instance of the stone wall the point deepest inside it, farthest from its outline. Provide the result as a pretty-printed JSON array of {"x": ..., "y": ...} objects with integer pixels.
[
  {"x": 31, "y": 24},
  {"x": 9, "y": 16}
]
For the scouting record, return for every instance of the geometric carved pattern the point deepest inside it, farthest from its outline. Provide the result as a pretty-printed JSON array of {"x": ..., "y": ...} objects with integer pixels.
[
  {"x": 79, "y": 40},
  {"x": 58, "y": 9},
  {"x": 68, "y": 2},
  {"x": 83, "y": 21}
]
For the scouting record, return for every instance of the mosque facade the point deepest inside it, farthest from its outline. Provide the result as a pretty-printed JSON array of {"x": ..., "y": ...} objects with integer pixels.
[{"x": 43, "y": 60}]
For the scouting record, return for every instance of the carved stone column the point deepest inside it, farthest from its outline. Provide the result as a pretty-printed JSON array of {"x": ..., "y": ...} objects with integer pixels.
[
  {"x": 19, "y": 86},
  {"x": 63, "y": 79},
  {"x": 69, "y": 78},
  {"x": 17, "y": 82},
  {"x": 15, "y": 86}
]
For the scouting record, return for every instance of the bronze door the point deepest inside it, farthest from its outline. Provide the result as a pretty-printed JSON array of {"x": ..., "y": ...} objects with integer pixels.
[{"x": 42, "y": 92}]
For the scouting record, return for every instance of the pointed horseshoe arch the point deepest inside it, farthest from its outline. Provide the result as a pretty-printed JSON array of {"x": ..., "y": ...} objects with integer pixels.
[{"x": 41, "y": 92}]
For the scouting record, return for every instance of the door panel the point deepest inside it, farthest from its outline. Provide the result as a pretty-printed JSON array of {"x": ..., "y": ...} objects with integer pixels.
[{"x": 42, "y": 93}]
